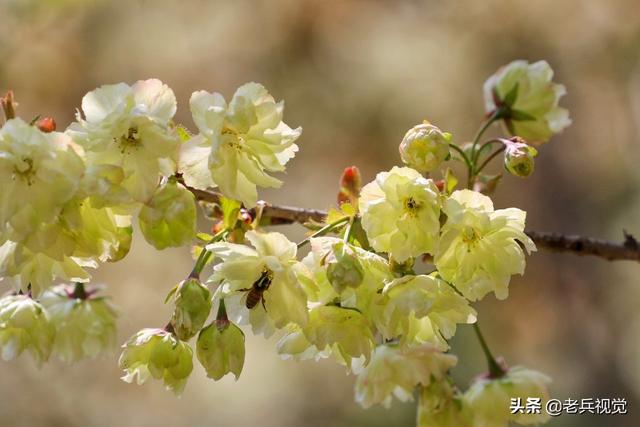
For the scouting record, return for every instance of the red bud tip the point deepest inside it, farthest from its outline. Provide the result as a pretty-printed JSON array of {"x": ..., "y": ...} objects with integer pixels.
[
  {"x": 245, "y": 216},
  {"x": 440, "y": 184},
  {"x": 46, "y": 124},
  {"x": 351, "y": 181}
]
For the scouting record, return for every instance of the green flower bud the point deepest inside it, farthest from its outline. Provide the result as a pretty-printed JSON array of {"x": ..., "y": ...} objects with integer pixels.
[
  {"x": 220, "y": 349},
  {"x": 85, "y": 325},
  {"x": 24, "y": 325},
  {"x": 425, "y": 147},
  {"x": 518, "y": 157},
  {"x": 344, "y": 269},
  {"x": 159, "y": 354},
  {"x": 193, "y": 305},
  {"x": 169, "y": 218}
]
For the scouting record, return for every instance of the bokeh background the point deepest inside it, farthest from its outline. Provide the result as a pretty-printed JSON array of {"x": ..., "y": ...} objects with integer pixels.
[{"x": 356, "y": 75}]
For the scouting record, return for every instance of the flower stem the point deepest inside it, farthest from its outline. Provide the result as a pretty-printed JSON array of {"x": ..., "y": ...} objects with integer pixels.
[
  {"x": 488, "y": 159},
  {"x": 204, "y": 256},
  {"x": 495, "y": 370},
  {"x": 324, "y": 230}
]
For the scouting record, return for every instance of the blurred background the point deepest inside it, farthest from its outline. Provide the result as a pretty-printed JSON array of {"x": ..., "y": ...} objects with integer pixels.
[{"x": 356, "y": 75}]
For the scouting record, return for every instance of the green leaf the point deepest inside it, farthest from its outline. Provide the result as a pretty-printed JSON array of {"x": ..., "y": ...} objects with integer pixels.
[
  {"x": 230, "y": 209},
  {"x": 450, "y": 181},
  {"x": 358, "y": 233},
  {"x": 204, "y": 237}
]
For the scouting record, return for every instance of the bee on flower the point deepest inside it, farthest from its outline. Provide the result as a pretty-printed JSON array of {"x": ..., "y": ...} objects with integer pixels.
[{"x": 259, "y": 284}]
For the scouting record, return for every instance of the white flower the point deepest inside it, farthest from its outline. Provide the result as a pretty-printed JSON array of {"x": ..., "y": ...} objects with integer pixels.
[
  {"x": 260, "y": 281},
  {"x": 24, "y": 325},
  {"x": 479, "y": 249},
  {"x": 39, "y": 174},
  {"x": 529, "y": 100},
  {"x": 159, "y": 354},
  {"x": 238, "y": 143},
  {"x": 85, "y": 324},
  {"x": 413, "y": 303},
  {"x": 128, "y": 126},
  {"x": 395, "y": 371},
  {"x": 401, "y": 213},
  {"x": 489, "y": 398}
]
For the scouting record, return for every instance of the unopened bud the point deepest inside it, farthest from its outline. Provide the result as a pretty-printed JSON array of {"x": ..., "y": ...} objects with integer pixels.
[
  {"x": 518, "y": 157},
  {"x": 46, "y": 124},
  {"x": 192, "y": 308},
  {"x": 220, "y": 349},
  {"x": 425, "y": 147},
  {"x": 344, "y": 268},
  {"x": 350, "y": 185}
]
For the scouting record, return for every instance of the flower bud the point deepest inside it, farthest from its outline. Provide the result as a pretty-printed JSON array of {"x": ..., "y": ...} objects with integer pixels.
[
  {"x": 425, "y": 147},
  {"x": 169, "y": 218},
  {"x": 193, "y": 305},
  {"x": 220, "y": 349},
  {"x": 85, "y": 325},
  {"x": 46, "y": 124},
  {"x": 344, "y": 269},
  {"x": 518, "y": 157},
  {"x": 159, "y": 354},
  {"x": 24, "y": 325},
  {"x": 350, "y": 186}
]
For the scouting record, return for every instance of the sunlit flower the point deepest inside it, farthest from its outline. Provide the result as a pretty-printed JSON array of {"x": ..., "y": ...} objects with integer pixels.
[
  {"x": 39, "y": 174},
  {"x": 128, "y": 126},
  {"x": 238, "y": 144},
  {"x": 220, "y": 349},
  {"x": 479, "y": 249},
  {"x": 400, "y": 213},
  {"x": 411, "y": 302},
  {"x": 395, "y": 371},
  {"x": 441, "y": 405},
  {"x": 85, "y": 324},
  {"x": 528, "y": 100},
  {"x": 168, "y": 219},
  {"x": 490, "y": 398},
  {"x": 25, "y": 325},
  {"x": 263, "y": 277},
  {"x": 425, "y": 147},
  {"x": 159, "y": 354}
]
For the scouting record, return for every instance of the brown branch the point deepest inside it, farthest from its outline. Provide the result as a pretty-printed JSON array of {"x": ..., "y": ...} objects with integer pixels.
[{"x": 629, "y": 249}]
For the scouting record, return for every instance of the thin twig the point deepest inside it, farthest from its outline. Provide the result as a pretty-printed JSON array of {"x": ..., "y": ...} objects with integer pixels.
[{"x": 629, "y": 249}]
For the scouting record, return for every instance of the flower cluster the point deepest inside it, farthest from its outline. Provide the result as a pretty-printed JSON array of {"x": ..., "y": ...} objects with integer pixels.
[{"x": 382, "y": 297}]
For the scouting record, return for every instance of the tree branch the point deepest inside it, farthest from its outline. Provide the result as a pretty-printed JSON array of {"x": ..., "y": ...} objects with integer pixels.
[{"x": 629, "y": 249}]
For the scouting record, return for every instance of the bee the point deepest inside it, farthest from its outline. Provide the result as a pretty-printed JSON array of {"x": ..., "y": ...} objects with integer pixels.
[{"x": 255, "y": 293}]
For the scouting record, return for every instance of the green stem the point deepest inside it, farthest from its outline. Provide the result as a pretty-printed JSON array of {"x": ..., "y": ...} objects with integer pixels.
[
  {"x": 349, "y": 229},
  {"x": 495, "y": 370},
  {"x": 488, "y": 159},
  {"x": 488, "y": 122},
  {"x": 324, "y": 230},
  {"x": 204, "y": 256},
  {"x": 464, "y": 157}
]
